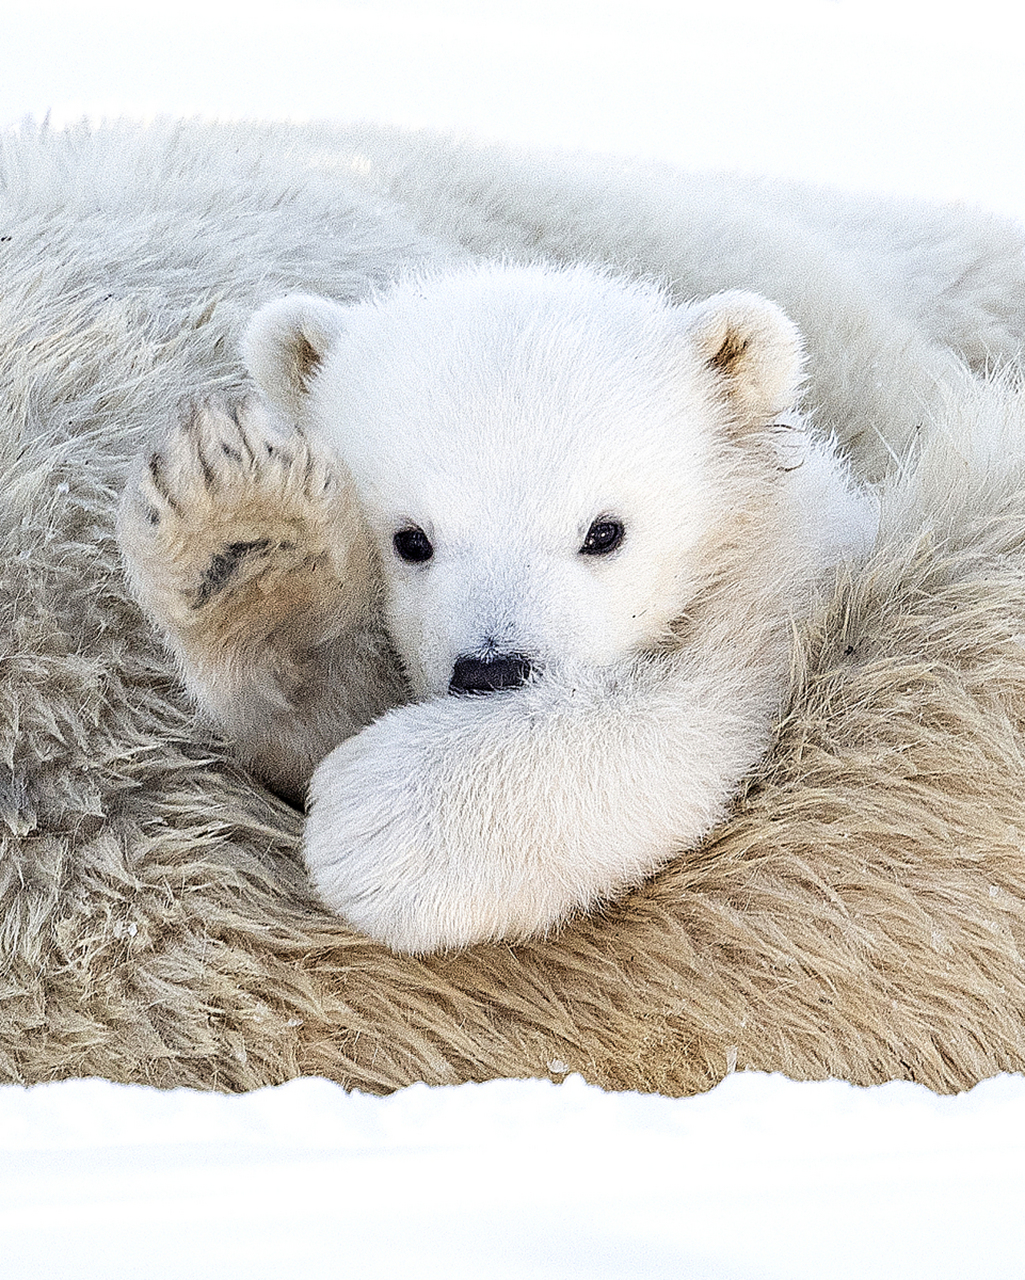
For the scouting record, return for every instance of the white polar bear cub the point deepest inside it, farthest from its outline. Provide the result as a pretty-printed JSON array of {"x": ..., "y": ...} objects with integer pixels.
[{"x": 595, "y": 517}]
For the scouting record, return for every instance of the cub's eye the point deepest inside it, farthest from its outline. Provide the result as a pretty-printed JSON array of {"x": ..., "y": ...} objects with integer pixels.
[
  {"x": 413, "y": 545},
  {"x": 604, "y": 536}
]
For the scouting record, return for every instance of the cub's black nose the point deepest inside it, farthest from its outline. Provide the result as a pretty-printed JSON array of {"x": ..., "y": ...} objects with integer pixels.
[{"x": 485, "y": 675}]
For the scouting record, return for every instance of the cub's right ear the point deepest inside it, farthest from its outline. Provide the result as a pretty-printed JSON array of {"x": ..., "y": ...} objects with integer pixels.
[{"x": 285, "y": 344}]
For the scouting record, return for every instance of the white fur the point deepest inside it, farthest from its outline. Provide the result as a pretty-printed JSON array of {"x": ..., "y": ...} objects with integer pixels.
[
  {"x": 895, "y": 302},
  {"x": 502, "y": 410}
]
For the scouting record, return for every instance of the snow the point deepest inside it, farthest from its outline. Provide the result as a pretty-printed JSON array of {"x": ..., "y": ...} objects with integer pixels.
[
  {"x": 761, "y": 1179},
  {"x": 900, "y": 95}
]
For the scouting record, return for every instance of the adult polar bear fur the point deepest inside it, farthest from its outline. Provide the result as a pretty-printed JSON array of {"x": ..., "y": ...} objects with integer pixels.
[
  {"x": 858, "y": 913},
  {"x": 581, "y": 499}
]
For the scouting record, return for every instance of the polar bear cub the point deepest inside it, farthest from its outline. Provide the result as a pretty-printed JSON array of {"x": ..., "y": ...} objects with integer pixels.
[{"x": 517, "y": 551}]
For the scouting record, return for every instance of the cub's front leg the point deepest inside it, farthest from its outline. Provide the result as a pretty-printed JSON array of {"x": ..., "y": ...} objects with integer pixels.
[
  {"x": 244, "y": 543},
  {"x": 462, "y": 819}
]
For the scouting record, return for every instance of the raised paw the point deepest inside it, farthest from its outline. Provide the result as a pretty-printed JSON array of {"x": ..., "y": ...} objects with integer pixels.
[
  {"x": 224, "y": 502},
  {"x": 243, "y": 541}
]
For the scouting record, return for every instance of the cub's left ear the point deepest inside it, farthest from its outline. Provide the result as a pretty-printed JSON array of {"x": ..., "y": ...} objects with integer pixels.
[
  {"x": 285, "y": 345},
  {"x": 752, "y": 349}
]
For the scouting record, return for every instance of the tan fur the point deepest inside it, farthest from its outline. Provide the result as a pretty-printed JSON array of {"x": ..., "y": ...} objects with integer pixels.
[{"x": 861, "y": 915}]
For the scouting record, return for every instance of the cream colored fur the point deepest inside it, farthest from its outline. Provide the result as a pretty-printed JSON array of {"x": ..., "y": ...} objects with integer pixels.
[{"x": 859, "y": 913}]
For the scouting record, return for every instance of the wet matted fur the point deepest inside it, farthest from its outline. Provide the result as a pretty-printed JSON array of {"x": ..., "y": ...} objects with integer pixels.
[{"x": 859, "y": 916}]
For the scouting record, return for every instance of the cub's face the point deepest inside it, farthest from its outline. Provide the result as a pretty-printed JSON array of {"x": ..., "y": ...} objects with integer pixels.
[
  {"x": 526, "y": 560},
  {"x": 540, "y": 455}
]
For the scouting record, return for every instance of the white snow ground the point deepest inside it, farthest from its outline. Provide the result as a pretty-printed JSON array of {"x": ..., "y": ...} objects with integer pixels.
[{"x": 762, "y": 1179}]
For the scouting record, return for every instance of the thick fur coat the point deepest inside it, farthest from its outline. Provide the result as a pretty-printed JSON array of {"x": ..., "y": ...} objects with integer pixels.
[
  {"x": 860, "y": 912},
  {"x": 550, "y": 486}
]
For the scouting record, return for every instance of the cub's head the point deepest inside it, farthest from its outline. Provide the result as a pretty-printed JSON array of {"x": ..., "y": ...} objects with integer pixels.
[{"x": 547, "y": 458}]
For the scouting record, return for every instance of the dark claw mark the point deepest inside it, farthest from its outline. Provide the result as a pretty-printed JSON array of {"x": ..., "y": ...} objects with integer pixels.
[
  {"x": 223, "y": 567},
  {"x": 156, "y": 471},
  {"x": 233, "y": 454},
  {"x": 209, "y": 476},
  {"x": 235, "y": 413}
]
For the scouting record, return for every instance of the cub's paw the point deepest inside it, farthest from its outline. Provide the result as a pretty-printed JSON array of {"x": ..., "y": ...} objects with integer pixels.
[
  {"x": 224, "y": 508},
  {"x": 415, "y": 835},
  {"x": 244, "y": 542},
  {"x": 369, "y": 845}
]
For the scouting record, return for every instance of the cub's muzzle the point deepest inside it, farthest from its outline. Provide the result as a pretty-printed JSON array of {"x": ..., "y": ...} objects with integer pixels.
[{"x": 486, "y": 675}]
